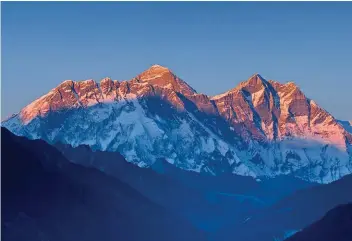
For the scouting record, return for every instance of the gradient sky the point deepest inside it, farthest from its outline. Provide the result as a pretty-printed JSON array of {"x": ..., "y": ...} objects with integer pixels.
[{"x": 211, "y": 45}]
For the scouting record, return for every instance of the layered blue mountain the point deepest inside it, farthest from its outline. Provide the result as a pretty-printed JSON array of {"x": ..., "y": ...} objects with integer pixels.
[
  {"x": 47, "y": 190},
  {"x": 292, "y": 213},
  {"x": 46, "y": 197},
  {"x": 209, "y": 202},
  {"x": 334, "y": 226}
]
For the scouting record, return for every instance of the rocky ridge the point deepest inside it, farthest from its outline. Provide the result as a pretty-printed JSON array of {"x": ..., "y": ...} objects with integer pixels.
[{"x": 259, "y": 128}]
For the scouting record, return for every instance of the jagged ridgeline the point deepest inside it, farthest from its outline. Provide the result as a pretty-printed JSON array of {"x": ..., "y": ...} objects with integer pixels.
[{"x": 261, "y": 128}]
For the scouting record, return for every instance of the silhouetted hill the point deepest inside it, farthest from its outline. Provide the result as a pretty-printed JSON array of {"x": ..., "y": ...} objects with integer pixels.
[
  {"x": 292, "y": 213},
  {"x": 209, "y": 202},
  {"x": 45, "y": 197},
  {"x": 336, "y": 225}
]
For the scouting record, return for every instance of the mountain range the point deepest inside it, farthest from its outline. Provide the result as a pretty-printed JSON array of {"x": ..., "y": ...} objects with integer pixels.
[
  {"x": 261, "y": 128},
  {"x": 67, "y": 193},
  {"x": 46, "y": 197}
]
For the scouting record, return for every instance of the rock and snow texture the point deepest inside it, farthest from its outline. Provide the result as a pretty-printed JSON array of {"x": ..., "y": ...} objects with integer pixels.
[
  {"x": 259, "y": 128},
  {"x": 347, "y": 125}
]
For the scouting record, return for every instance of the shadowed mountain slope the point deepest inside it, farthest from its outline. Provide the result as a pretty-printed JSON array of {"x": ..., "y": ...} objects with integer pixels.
[
  {"x": 336, "y": 225},
  {"x": 45, "y": 197}
]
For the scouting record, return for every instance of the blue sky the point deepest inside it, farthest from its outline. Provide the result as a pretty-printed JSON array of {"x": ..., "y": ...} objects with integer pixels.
[{"x": 211, "y": 45}]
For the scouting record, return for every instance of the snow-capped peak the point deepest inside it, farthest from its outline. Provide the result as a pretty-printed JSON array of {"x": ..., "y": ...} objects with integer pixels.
[
  {"x": 253, "y": 80},
  {"x": 163, "y": 77},
  {"x": 155, "y": 70},
  {"x": 258, "y": 128},
  {"x": 256, "y": 75},
  {"x": 157, "y": 66}
]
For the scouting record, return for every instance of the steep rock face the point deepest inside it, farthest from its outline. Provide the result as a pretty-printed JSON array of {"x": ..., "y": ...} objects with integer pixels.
[
  {"x": 258, "y": 128},
  {"x": 347, "y": 125},
  {"x": 297, "y": 135},
  {"x": 160, "y": 76},
  {"x": 273, "y": 111}
]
